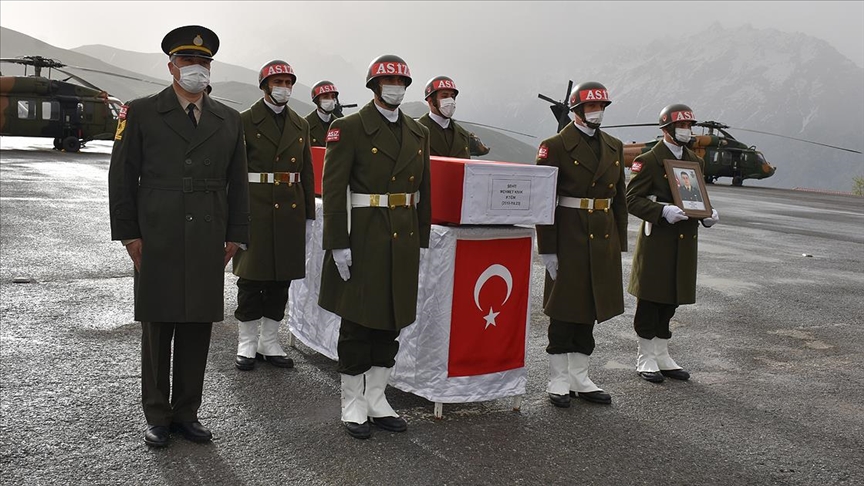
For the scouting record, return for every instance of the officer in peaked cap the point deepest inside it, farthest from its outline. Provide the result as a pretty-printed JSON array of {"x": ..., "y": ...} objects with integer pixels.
[
  {"x": 191, "y": 41},
  {"x": 178, "y": 192}
]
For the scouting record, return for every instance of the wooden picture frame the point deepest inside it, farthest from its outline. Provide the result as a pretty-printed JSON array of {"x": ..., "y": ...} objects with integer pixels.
[{"x": 693, "y": 201}]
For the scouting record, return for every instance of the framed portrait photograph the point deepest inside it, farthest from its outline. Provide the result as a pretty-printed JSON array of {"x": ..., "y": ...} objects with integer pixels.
[{"x": 688, "y": 187}]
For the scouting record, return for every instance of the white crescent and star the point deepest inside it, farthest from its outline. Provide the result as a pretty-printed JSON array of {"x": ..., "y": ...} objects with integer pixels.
[{"x": 494, "y": 270}]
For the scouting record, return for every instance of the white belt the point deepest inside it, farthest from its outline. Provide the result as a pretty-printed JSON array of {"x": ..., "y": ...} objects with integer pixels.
[
  {"x": 584, "y": 203},
  {"x": 384, "y": 200},
  {"x": 274, "y": 177}
]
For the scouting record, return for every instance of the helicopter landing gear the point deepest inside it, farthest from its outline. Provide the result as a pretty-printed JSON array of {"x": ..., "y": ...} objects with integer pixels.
[
  {"x": 737, "y": 181},
  {"x": 58, "y": 143},
  {"x": 71, "y": 144}
]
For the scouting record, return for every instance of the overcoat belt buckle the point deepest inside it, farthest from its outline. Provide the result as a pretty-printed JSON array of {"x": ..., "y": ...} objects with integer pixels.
[
  {"x": 374, "y": 200},
  {"x": 265, "y": 177},
  {"x": 585, "y": 203},
  {"x": 601, "y": 204},
  {"x": 398, "y": 199},
  {"x": 187, "y": 184}
]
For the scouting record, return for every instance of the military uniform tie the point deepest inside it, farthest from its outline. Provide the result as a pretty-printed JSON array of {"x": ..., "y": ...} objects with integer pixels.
[{"x": 190, "y": 109}]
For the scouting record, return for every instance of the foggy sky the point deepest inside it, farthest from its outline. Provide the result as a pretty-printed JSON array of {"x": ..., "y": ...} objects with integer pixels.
[{"x": 438, "y": 33}]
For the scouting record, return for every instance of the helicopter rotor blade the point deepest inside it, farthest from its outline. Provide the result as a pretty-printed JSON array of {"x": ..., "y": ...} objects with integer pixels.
[
  {"x": 798, "y": 139},
  {"x": 631, "y": 125},
  {"x": 79, "y": 79},
  {"x": 118, "y": 75},
  {"x": 497, "y": 128}
]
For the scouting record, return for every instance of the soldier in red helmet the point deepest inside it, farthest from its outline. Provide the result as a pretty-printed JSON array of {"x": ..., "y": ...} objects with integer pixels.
[
  {"x": 446, "y": 137},
  {"x": 582, "y": 248},
  {"x": 324, "y": 95},
  {"x": 377, "y": 217},
  {"x": 281, "y": 204}
]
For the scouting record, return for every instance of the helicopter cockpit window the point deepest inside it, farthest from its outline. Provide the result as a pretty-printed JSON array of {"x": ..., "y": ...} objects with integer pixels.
[
  {"x": 50, "y": 110},
  {"x": 27, "y": 109}
]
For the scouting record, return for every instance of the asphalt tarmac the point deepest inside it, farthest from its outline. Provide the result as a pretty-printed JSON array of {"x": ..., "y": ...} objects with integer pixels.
[{"x": 774, "y": 344}]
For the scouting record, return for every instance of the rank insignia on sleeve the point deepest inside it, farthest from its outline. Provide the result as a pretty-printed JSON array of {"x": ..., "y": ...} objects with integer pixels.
[
  {"x": 333, "y": 135},
  {"x": 543, "y": 153},
  {"x": 636, "y": 167}
]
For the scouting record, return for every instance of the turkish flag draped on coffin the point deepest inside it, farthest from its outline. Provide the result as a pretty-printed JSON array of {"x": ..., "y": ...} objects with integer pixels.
[{"x": 490, "y": 305}]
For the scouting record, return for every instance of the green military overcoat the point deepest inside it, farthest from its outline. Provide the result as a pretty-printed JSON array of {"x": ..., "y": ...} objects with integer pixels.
[
  {"x": 588, "y": 243},
  {"x": 183, "y": 191},
  {"x": 664, "y": 264},
  {"x": 364, "y": 156},
  {"x": 318, "y": 128},
  {"x": 438, "y": 143},
  {"x": 277, "y": 231}
]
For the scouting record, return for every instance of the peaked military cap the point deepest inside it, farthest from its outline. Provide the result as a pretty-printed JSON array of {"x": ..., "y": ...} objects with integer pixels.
[{"x": 191, "y": 40}]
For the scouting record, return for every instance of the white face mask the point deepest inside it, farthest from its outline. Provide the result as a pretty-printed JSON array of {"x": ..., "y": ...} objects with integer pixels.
[
  {"x": 327, "y": 105},
  {"x": 683, "y": 135},
  {"x": 194, "y": 78},
  {"x": 280, "y": 94},
  {"x": 595, "y": 117},
  {"x": 392, "y": 94},
  {"x": 447, "y": 107}
]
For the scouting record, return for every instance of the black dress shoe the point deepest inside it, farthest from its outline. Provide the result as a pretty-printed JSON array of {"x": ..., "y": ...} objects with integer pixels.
[
  {"x": 278, "y": 361},
  {"x": 393, "y": 424},
  {"x": 157, "y": 436},
  {"x": 562, "y": 401},
  {"x": 678, "y": 374},
  {"x": 598, "y": 396},
  {"x": 652, "y": 376},
  {"x": 243, "y": 363},
  {"x": 193, "y": 431},
  {"x": 358, "y": 431}
]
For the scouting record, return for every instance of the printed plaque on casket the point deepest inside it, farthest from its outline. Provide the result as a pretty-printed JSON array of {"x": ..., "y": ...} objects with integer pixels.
[{"x": 468, "y": 191}]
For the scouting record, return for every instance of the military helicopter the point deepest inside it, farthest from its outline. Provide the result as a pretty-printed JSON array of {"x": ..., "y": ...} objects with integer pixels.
[
  {"x": 724, "y": 155},
  {"x": 71, "y": 114}
]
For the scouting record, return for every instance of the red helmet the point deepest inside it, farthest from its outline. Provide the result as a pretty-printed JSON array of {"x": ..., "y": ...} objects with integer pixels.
[
  {"x": 590, "y": 92},
  {"x": 388, "y": 65},
  {"x": 439, "y": 83},
  {"x": 675, "y": 113},
  {"x": 273, "y": 68},
  {"x": 322, "y": 87}
]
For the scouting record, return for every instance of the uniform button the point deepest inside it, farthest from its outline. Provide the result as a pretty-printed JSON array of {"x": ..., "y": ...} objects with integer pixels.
[
  {"x": 314, "y": 140},
  {"x": 206, "y": 161},
  {"x": 374, "y": 150},
  {"x": 290, "y": 184},
  {"x": 293, "y": 159},
  {"x": 293, "y": 205},
  {"x": 277, "y": 158},
  {"x": 590, "y": 211},
  {"x": 257, "y": 135},
  {"x": 188, "y": 161},
  {"x": 411, "y": 234},
  {"x": 606, "y": 236},
  {"x": 694, "y": 237},
  {"x": 591, "y": 236},
  {"x": 395, "y": 235},
  {"x": 189, "y": 217},
  {"x": 605, "y": 210},
  {"x": 665, "y": 176},
  {"x": 466, "y": 148},
  {"x": 681, "y": 236},
  {"x": 611, "y": 186},
  {"x": 411, "y": 179},
  {"x": 392, "y": 206},
  {"x": 616, "y": 163},
  {"x": 593, "y": 184},
  {"x": 275, "y": 183},
  {"x": 576, "y": 162},
  {"x": 276, "y": 205},
  {"x": 393, "y": 178},
  {"x": 420, "y": 151},
  {"x": 208, "y": 218},
  {"x": 301, "y": 139}
]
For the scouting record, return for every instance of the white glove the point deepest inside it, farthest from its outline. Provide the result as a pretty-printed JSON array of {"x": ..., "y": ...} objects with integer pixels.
[
  {"x": 551, "y": 262},
  {"x": 342, "y": 257},
  {"x": 709, "y": 222},
  {"x": 673, "y": 214}
]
